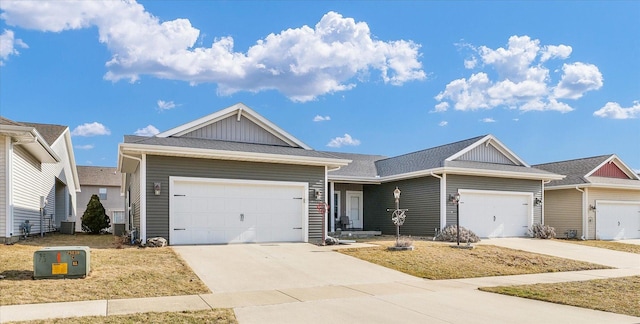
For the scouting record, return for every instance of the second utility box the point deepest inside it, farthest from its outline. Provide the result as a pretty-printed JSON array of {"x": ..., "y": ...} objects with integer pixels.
[{"x": 62, "y": 262}]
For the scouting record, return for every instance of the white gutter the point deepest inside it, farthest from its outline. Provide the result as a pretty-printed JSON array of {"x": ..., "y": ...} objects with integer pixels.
[
  {"x": 597, "y": 185},
  {"x": 585, "y": 227}
]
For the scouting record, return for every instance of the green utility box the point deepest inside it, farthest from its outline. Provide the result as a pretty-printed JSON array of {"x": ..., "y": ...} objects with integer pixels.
[{"x": 62, "y": 262}]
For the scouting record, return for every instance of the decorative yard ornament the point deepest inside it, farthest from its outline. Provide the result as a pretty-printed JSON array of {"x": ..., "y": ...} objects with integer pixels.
[{"x": 398, "y": 215}]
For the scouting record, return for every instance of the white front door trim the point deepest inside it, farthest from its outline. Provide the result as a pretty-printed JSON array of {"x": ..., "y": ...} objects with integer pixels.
[
  {"x": 303, "y": 185},
  {"x": 356, "y": 222}
]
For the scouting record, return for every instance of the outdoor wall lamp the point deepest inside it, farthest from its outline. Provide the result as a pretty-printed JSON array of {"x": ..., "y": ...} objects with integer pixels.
[
  {"x": 592, "y": 207},
  {"x": 454, "y": 199},
  {"x": 537, "y": 201},
  {"x": 317, "y": 193},
  {"x": 157, "y": 188}
]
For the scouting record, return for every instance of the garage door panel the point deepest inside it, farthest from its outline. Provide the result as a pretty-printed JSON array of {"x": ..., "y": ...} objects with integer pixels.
[
  {"x": 617, "y": 220},
  {"x": 236, "y": 212},
  {"x": 495, "y": 214}
]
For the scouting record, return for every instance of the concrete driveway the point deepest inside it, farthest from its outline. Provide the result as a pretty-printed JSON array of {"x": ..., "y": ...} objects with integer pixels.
[{"x": 303, "y": 283}]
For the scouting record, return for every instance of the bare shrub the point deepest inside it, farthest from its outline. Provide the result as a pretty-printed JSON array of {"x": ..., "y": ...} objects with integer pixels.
[
  {"x": 542, "y": 231},
  {"x": 450, "y": 234},
  {"x": 404, "y": 241}
]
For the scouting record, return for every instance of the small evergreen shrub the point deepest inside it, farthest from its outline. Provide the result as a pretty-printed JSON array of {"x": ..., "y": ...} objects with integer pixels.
[
  {"x": 450, "y": 234},
  {"x": 94, "y": 219},
  {"x": 542, "y": 231}
]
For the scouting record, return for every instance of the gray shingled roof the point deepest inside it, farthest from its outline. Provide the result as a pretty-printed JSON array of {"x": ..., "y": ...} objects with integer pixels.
[
  {"x": 49, "y": 132},
  {"x": 422, "y": 160},
  {"x": 7, "y": 121},
  {"x": 98, "y": 176},
  {"x": 198, "y": 143},
  {"x": 575, "y": 170},
  {"x": 362, "y": 165}
]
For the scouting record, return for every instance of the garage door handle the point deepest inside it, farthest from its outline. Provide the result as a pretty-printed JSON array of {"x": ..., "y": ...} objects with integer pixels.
[
  {"x": 179, "y": 229},
  {"x": 297, "y": 228},
  {"x": 179, "y": 195},
  {"x": 494, "y": 218},
  {"x": 618, "y": 223}
]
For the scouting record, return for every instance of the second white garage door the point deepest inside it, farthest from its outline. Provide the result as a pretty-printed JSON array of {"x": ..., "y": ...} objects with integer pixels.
[
  {"x": 495, "y": 213},
  {"x": 213, "y": 211},
  {"x": 617, "y": 220}
]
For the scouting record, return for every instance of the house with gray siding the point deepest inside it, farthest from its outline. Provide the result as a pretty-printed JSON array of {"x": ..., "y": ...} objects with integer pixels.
[
  {"x": 598, "y": 199},
  {"x": 233, "y": 177},
  {"x": 104, "y": 182},
  {"x": 500, "y": 194},
  {"x": 38, "y": 177}
]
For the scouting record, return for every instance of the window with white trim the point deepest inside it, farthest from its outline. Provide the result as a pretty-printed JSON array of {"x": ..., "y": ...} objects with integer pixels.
[{"x": 102, "y": 193}]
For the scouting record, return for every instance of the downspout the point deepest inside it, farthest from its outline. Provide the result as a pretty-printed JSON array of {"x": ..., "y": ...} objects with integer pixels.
[
  {"x": 443, "y": 201},
  {"x": 544, "y": 182},
  {"x": 585, "y": 227}
]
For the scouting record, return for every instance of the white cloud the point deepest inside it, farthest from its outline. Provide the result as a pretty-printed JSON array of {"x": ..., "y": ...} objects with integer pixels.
[
  {"x": 347, "y": 140},
  {"x": 488, "y": 120},
  {"x": 165, "y": 105},
  {"x": 577, "y": 79},
  {"x": 319, "y": 118},
  {"x": 150, "y": 130},
  {"x": 443, "y": 123},
  {"x": 8, "y": 44},
  {"x": 302, "y": 63},
  {"x": 471, "y": 63},
  {"x": 441, "y": 107},
  {"x": 516, "y": 119},
  {"x": 84, "y": 147},
  {"x": 91, "y": 129},
  {"x": 615, "y": 111},
  {"x": 521, "y": 81}
]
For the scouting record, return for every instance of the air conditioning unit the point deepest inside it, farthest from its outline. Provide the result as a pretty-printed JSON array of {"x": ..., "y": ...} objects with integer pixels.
[{"x": 61, "y": 262}]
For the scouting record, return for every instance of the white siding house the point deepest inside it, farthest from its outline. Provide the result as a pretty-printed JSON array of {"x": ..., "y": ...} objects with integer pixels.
[{"x": 37, "y": 165}]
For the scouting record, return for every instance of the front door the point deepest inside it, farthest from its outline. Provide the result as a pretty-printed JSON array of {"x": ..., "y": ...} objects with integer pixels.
[{"x": 354, "y": 208}]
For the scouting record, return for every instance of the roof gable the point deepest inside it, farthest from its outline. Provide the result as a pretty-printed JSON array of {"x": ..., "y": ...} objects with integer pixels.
[
  {"x": 488, "y": 150},
  {"x": 577, "y": 171},
  {"x": 237, "y": 123},
  {"x": 613, "y": 167}
]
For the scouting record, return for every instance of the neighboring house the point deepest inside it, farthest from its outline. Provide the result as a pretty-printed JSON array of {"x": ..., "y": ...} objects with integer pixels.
[
  {"x": 233, "y": 176},
  {"x": 37, "y": 167},
  {"x": 104, "y": 182},
  {"x": 598, "y": 199}
]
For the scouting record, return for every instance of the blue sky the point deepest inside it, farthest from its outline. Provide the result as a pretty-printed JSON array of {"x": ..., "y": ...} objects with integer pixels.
[{"x": 553, "y": 80}]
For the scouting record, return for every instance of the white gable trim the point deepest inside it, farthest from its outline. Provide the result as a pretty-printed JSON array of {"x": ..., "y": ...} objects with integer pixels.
[
  {"x": 241, "y": 110},
  {"x": 491, "y": 140},
  {"x": 621, "y": 165}
]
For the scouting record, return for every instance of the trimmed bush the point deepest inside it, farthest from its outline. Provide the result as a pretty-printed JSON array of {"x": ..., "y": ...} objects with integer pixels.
[
  {"x": 450, "y": 234},
  {"x": 404, "y": 241},
  {"x": 542, "y": 231},
  {"x": 94, "y": 219}
]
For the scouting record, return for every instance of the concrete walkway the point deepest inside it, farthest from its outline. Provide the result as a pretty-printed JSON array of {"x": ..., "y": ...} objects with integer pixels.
[{"x": 378, "y": 295}]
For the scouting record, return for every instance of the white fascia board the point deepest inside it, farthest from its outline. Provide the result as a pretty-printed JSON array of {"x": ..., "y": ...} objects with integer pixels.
[
  {"x": 72, "y": 158},
  {"x": 32, "y": 141},
  {"x": 619, "y": 163},
  {"x": 355, "y": 180},
  {"x": 231, "y": 155},
  {"x": 594, "y": 185},
  {"x": 473, "y": 172},
  {"x": 498, "y": 145},
  {"x": 241, "y": 110}
]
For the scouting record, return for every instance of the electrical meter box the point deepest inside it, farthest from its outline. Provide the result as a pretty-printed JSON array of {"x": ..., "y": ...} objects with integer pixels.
[{"x": 61, "y": 262}]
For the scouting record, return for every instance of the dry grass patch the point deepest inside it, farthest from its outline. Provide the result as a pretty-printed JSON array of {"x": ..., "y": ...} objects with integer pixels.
[
  {"x": 218, "y": 316},
  {"x": 611, "y": 245},
  {"x": 616, "y": 295},
  {"x": 128, "y": 272},
  {"x": 434, "y": 260}
]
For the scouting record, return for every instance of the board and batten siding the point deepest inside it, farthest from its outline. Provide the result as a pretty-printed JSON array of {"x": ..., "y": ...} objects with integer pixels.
[
  {"x": 230, "y": 129},
  {"x": 485, "y": 153},
  {"x": 595, "y": 194},
  {"x": 4, "y": 151},
  {"x": 160, "y": 168},
  {"x": 421, "y": 196},
  {"x": 456, "y": 182},
  {"x": 563, "y": 211}
]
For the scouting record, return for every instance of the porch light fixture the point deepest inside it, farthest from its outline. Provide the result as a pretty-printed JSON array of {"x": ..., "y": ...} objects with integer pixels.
[
  {"x": 592, "y": 207},
  {"x": 157, "y": 188},
  {"x": 317, "y": 193},
  {"x": 396, "y": 195},
  {"x": 537, "y": 201}
]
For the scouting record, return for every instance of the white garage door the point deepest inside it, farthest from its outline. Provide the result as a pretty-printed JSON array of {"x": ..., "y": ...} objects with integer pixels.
[
  {"x": 495, "y": 213},
  {"x": 210, "y": 211},
  {"x": 617, "y": 220}
]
